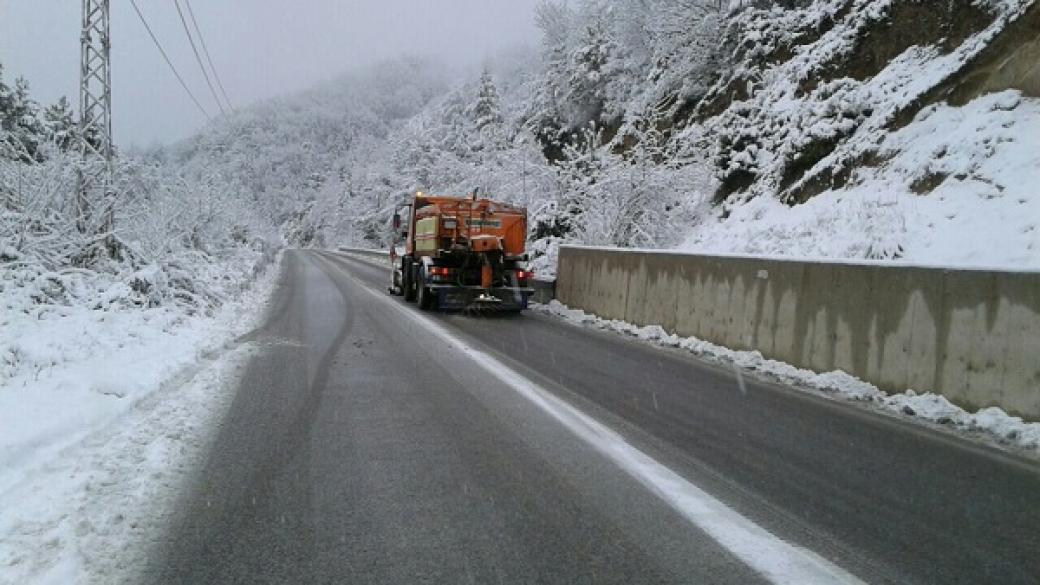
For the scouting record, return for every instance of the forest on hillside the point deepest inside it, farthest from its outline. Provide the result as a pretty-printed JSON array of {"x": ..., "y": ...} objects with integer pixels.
[
  {"x": 750, "y": 127},
  {"x": 578, "y": 130}
]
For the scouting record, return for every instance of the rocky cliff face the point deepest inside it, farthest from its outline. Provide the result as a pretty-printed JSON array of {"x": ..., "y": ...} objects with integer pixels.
[
  {"x": 809, "y": 92},
  {"x": 877, "y": 129}
]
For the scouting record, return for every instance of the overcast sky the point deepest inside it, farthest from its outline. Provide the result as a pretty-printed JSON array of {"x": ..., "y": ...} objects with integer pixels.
[{"x": 261, "y": 48}]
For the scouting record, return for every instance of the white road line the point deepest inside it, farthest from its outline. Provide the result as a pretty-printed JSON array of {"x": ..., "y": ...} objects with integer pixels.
[{"x": 775, "y": 559}]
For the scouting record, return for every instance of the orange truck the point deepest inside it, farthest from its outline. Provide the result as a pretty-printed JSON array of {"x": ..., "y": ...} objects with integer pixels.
[{"x": 461, "y": 253}]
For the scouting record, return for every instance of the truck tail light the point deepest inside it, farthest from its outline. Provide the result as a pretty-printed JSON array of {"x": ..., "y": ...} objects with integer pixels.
[{"x": 439, "y": 271}]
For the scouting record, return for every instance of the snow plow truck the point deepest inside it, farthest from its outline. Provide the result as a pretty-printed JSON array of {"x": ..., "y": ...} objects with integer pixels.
[{"x": 461, "y": 253}]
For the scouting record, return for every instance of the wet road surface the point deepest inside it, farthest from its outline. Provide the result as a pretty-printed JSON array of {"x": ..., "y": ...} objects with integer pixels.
[{"x": 364, "y": 448}]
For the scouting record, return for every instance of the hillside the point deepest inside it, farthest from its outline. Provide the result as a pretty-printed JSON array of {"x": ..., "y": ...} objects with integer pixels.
[
  {"x": 860, "y": 129},
  {"x": 880, "y": 130},
  {"x": 298, "y": 158}
]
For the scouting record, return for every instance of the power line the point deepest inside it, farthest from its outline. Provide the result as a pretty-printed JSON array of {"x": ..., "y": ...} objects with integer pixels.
[
  {"x": 167, "y": 58},
  {"x": 198, "y": 58},
  {"x": 205, "y": 50}
]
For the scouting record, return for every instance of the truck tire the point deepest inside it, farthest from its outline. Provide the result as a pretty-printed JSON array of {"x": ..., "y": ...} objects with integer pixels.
[
  {"x": 396, "y": 286},
  {"x": 408, "y": 282},
  {"x": 427, "y": 298}
]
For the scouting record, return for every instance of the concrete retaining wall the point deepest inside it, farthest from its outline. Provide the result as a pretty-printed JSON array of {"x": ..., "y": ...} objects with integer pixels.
[
  {"x": 971, "y": 335},
  {"x": 544, "y": 290}
]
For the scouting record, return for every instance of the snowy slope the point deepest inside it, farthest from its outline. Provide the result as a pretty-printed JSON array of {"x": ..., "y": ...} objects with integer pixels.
[
  {"x": 828, "y": 154},
  {"x": 103, "y": 405},
  {"x": 984, "y": 212}
]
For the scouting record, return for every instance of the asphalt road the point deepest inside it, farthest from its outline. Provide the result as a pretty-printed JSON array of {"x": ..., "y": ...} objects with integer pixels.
[{"x": 363, "y": 448}]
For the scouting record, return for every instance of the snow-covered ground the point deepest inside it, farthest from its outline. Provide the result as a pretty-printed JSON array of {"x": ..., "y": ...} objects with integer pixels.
[
  {"x": 992, "y": 423},
  {"x": 984, "y": 213},
  {"x": 104, "y": 407}
]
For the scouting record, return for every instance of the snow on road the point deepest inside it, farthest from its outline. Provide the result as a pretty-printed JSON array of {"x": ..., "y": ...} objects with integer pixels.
[
  {"x": 102, "y": 413},
  {"x": 991, "y": 422}
]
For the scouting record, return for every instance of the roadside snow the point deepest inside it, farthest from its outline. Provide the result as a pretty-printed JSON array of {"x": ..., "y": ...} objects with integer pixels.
[
  {"x": 992, "y": 422},
  {"x": 102, "y": 411}
]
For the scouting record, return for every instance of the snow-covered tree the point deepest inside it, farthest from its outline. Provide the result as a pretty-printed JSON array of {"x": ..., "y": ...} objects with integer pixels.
[
  {"x": 586, "y": 89},
  {"x": 60, "y": 125},
  {"x": 487, "y": 109},
  {"x": 685, "y": 55},
  {"x": 545, "y": 113},
  {"x": 19, "y": 118}
]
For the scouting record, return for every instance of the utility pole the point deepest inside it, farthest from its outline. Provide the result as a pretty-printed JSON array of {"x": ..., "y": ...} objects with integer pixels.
[{"x": 95, "y": 109}]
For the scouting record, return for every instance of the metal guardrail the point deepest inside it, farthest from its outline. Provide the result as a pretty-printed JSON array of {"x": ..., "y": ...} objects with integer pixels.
[{"x": 365, "y": 252}]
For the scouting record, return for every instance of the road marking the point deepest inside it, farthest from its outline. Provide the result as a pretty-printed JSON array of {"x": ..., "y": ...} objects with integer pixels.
[{"x": 777, "y": 560}]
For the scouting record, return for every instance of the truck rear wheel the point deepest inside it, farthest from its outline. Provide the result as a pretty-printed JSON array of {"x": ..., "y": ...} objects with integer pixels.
[{"x": 427, "y": 298}]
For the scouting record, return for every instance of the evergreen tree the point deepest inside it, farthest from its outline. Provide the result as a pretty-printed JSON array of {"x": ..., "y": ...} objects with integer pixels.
[
  {"x": 487, "y": 110},
  {"x": 587, "y": 84},
  {"x": 5, "y": 95},
  {"x": 7, "y": 146},
  {"x": 60, "y": 125},
  {"x": 545, "y": 118},
  {"x": 19, "y": 119}
]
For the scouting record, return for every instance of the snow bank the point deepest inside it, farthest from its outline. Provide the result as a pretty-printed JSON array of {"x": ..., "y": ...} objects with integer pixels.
[
  {"x": 991, "y": 422},
  {"x": 103, "y": 399}
]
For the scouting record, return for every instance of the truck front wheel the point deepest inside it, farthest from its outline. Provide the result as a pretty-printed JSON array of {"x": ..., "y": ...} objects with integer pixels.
[{"x": 408, "y": 281}]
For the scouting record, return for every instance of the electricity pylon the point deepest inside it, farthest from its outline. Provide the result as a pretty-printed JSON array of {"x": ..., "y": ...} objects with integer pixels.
[
  {"x": 95, "y": 107},
  {"x": 95, "y": 87}
]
